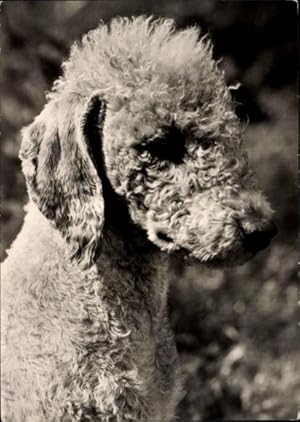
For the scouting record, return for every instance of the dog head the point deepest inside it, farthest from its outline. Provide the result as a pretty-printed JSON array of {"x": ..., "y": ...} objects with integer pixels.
[{"x": 171, "y": 146}]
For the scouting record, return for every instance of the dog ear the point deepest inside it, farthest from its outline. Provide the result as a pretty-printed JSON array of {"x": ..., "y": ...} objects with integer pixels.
[{"x": 61, "y": 172}]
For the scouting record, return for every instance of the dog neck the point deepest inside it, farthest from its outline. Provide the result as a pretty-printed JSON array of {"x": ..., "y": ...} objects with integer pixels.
[{"x": 124, "y": 240}]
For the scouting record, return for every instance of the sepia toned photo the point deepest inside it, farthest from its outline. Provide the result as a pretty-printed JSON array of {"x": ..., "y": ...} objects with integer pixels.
[{"x": 149, "y": 210}]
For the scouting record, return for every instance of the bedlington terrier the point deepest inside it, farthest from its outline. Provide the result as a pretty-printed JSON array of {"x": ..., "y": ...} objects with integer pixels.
[{"x": 136, "y": 154}]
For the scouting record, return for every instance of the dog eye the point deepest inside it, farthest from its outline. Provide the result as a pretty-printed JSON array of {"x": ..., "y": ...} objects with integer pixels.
[
  {"x": 169, "y": 146},
  {"x": 205, "y": 143},
  {"x": 160, "y": 147}
]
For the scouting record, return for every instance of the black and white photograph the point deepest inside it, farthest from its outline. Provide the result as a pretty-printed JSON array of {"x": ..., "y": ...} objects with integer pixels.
[{"x": 149, "y": 204}]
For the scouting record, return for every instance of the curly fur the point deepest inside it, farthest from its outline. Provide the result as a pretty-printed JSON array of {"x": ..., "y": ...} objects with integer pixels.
[{"x": 138, "y": 152}]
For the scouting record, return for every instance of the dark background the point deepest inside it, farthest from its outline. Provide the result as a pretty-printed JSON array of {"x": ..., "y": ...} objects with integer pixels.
[{"x": 235, "y": 329}]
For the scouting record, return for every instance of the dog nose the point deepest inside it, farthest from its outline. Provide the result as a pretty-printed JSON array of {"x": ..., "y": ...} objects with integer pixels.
[{"x": 259, "y": 239}]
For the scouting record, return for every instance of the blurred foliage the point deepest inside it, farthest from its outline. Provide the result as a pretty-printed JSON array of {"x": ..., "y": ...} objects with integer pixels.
[{"x": 236, "y": 328}]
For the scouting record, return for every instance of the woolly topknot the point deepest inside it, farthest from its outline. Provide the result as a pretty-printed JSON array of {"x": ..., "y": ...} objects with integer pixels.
[{"x": 120, "y": 58}]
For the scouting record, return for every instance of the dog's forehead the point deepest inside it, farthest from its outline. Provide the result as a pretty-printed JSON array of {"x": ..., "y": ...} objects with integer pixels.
[
  {"x": 132, "y": 127},
  {"x": 147, "y": 120},
  {"x": 168, "y": 96}
]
